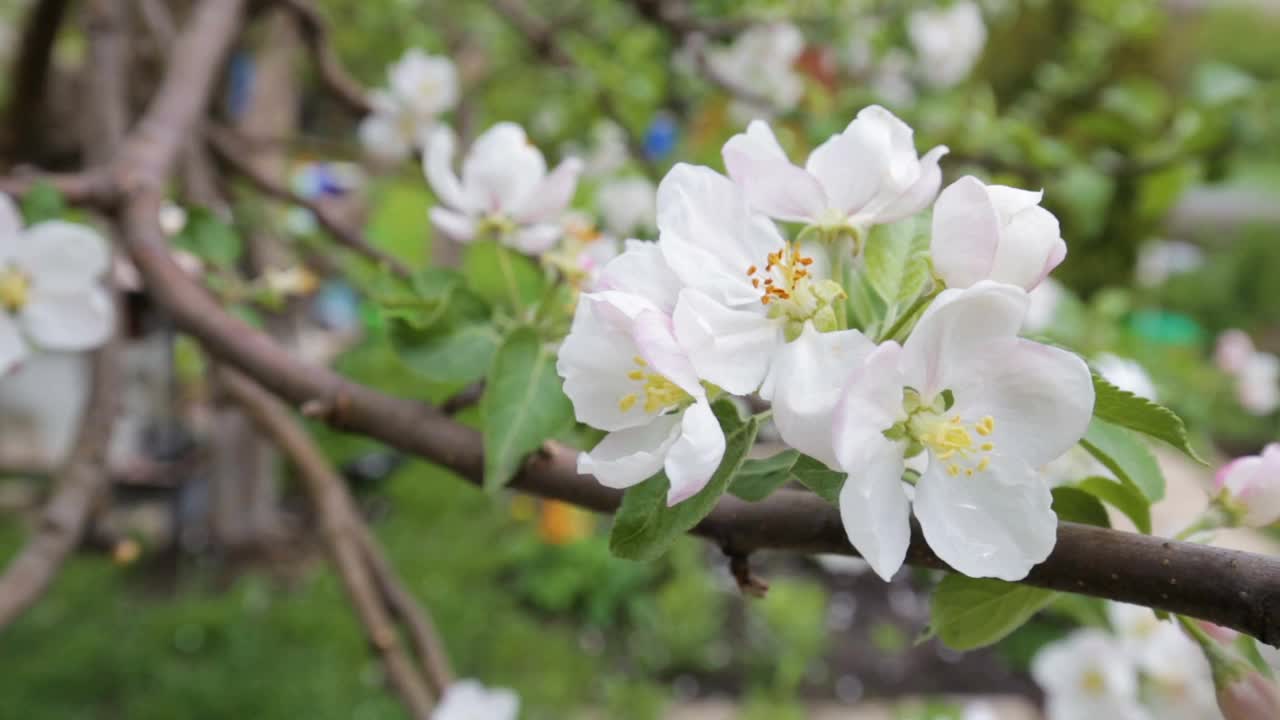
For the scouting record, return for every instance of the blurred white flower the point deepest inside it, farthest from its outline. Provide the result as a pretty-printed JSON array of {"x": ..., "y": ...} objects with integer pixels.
[
  {"x": 172, "y": 219},
  {"x": 51, "y": 294},
  {"x": 469, "y": 700},
  {"x": 762, "y": 59},
  {"x": 1232, "y": 350},
  {"x": 1161, "y": 259},
  {"x": 628, "y": 206},
  {"x": 1126, "y": 374},
  {"x": 1179, "y": 679},
  {"x": 1088, "y": 677},
  {"x": 948, "y": 41},
  {"x": 583, "y": 251},
  {"x": 420, "y": 88},
  {"x": 1258, "y": 384},
  {"x": 891, "y": 78}
]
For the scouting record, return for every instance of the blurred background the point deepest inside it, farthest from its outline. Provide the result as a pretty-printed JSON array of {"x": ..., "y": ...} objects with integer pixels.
[{"x": 202, "y": 590}]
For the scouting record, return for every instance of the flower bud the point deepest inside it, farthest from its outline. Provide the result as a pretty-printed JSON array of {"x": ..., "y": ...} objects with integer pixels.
[
  {"x": 1249, "y": 487},
  {"x": 1249, "y": 697}
]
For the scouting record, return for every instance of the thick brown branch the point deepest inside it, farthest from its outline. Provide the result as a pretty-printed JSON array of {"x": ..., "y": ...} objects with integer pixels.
[
  {"x": 315, "y": 33},
  {"x": 345, "y": 537}
]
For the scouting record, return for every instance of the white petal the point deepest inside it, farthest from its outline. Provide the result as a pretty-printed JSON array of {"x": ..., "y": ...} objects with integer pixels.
[
  {"x": 535, "y": 239},
  {"x": 437, "y": 165},
  {"x": 594, "y": 361},
  {"x": 62, "y": 256},
  {"x": 694, "y": 457},
  {"x": 997, "y": 523},
  {"x": 627, "y": 457},
  {"x": 453, "y": 225},
  {"x": 426, "y": 83},
  {"x": 966, "y": 233},
  {"x": 1031, "y": 245},
  {"x": 1041, "y": 398},
  {"x": 874, "y": 509},
  {"x": 729, "y": 348},
  {"x": 380, "y": 136},
  {"x": 13, "y": 349},
  {"x": 848, "y": 170},
  {"x": 552, "y": 196},
  {"x": 772, "y": 184},
  {"x": 870, "y": 404},
  {"x": 502, "y": 169},
  {"x": 69, "y": 321},
  {"x": 642, "y": 270},
  {"x": 808, "y": 374},
  {"x": 920, "y": 193},
  {"x": 955, "y": 331}
]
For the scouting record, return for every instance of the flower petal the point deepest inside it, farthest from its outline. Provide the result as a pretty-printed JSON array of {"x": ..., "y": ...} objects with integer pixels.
[
  {"x": 642, "y": 270},
  {"x": 1031, "y": 246},
  {"x": 730, "y": 348},
  {"x": 70, "y": 321},
  {"x": 920, "y": 193},
  {"x": 875, "y": 511},
  {"x": 772, "y": 184},
  {"x": 966, "y": 233},
  {"x": 697, "y": 453},
  {"x": 870, "y": 404},
  {"x": 62, "y": 256},
  {"x": 848, "y": 169},
  {"x": 631, "y": 456},
  {"x": 535, "y": 239},
  {"x": 997, "y": 523},
  {"x": 453, "y": 225},
  {"x": 552, "y": 196},
  {"x": 502, "y": 169},
  {"x": 437, "y": 165},
  {"x": 380, "y": 136},
  {"x": 13, "y": 349},
  {"x": 807, "y": 375},
  {"x": 594, "y": 361}
]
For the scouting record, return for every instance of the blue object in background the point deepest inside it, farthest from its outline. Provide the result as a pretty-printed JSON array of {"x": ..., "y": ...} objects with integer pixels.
[
  {"x": 337, "y": 306},
  {"x": 240, "y": 75},
  {"x": 661, "y": 137}
]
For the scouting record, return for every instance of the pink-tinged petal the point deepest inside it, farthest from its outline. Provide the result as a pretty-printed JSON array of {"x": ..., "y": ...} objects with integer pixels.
[
  {"x": 729, "y": 348},
  {"x": 772, "y": 184},
  {"x": 437, "y": 165},
  {"x": 1040, "y": 397},
  {"x": 550, "y": 198},
  {"x": 919, "y": 194},
  {"x": 13, "y": 349},
  {"x": 502, "y": 169},
  {"x": 594, "y": 361},
  {"x": 807, "y": 377},
  {"x": 453, "y": 225},
  {"x": 642, "y": 270},
  {"x": 849, "y": 171},
  {"x": 535, "y": 239},
  {"x": 953, "y": 335},
  {"x": 874, "y": 509},
  {"x": 631, "y": 456},
  {"x": 62, "y": 256},
  {"x": 997, "y": 523},
  {"x": 1254, "y": 485},
  {"x": 697, "y": 453},
  {"x": 655, "y": 340},
  {"x": 966, "y": 233},
  {"x": 870, "y": 404},
  {"x": 1030, "y": 246},
  {"x": 71, "y": 321}
]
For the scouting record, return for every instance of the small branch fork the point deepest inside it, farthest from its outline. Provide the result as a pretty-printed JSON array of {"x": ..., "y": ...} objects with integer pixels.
[{"x": 1231, "y": 588}]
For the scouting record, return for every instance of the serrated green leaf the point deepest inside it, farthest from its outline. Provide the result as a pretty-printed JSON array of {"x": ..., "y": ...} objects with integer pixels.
[
  {"x": 1125, "y": 455},
  {"x": 1123, "y": 408},
  {"x": 969, "y": 613},
  {"x": 523, "y": 405},
  {"x": 1125, "y": 497},
  {"x": 501, "y": 276},
  {"x": 897, "y": 264},
  {"x": 757, "y": 479},
  {"x": 1076, "y": 505},
  {"x": 644, "y": 526},
  {"x": 458, "y": 356}
]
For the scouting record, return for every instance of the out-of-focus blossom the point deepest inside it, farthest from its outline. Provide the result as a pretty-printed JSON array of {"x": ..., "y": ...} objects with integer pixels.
[
  {"x": 628, "y": 206},
  {"x": 891, "y": 78},
  {"x": 583, "y": 251},
  {"x": 1249, "y": 487},
  {"x": 993, "y": 232},
  {"x": 948, "y": 41},
  {"x": 1250, "y": 697},
  {"x": 504, "y": 191},
  {"x": 1179, "y": 679},
  {"x": 172, "y": 219},
  {"x": 469, "y": 700},
  {"x": 762, "y": 59},
  {"x": 1233, "y": 350},
  {"x": 420, "y": 88},
  {"x": 1087, "y": 677},
  {"x": 1258, "y": 384},
  {"x": 1162, "y": 259},
  {"x": 1126, "y": 374}
]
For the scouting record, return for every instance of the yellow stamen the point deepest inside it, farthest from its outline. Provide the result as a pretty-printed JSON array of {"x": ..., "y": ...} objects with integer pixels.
[
  {"x": 627, "y": 402},
  {"x": 14, "y": 287},
  {"x": 636, "y": 374}
]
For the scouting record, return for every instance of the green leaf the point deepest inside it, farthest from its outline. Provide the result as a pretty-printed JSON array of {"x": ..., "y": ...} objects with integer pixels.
[
  {"x": 43, "y": 202},
  {"x": 1126, "y": 456},
  {"x": 1248, "y": 649},
  {"x": 209, "y": 238},
  {"x": 897, "y": 264},
  {"x": 969, "y": 613},
  {"x": 523, "y": 405},
  {"x": 823, "y": 481},
  {"x": 501, "y": 276},
  {"x": 1080, "y": 506},
  {"x": 1125, "y": 497},
  {"x": 398, "y": 224},
  {"x": 461, "y": 355},
  {"x": 1123, "y": 408},
  {"x": 645, "y": 526},
  {"x": 757, "y": 479}
]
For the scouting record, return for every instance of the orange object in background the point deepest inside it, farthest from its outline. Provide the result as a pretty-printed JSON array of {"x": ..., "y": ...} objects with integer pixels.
[{"x": 561, "y": 523}]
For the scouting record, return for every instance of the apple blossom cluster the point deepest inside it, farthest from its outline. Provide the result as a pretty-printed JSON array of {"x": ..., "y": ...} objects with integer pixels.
[
  {"x": 51, "y": 291},
  {"x": 1248, "y": 489},
  {"x": 1256, "y": 373},
  {"x": 726, "y": 303},
  {"x": 1143, "y": 669},
  {"x": 470, "y": 700},
  {"x": 420, "y": 87},
  {"x": 762, "y": 58}
]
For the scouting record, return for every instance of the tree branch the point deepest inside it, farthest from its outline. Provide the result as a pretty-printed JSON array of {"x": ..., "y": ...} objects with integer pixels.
[
  {"x": 31, "y": 73},
  {"x": 315, "y": 33}
]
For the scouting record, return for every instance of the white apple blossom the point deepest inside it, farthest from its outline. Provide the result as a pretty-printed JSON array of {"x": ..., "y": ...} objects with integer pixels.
[
  {"x": 986, "y": 407},
  {"x": 470, "y": 700},
  {"x": 504, "y": 191},
  {"x": 1232, "y": 350},
  {"x": 993, "y": 232},
  {"x": 1087, "y": 677},
  {"x": 866, "y": 175},
  {"x": 948, "y": 41},
  {"x": 627, "y": 205},
  {"x": 1161, "y": 259},
  {"x": 1250, "y": 487},
  {"x": 1126, "y": 374},
  {"x": 762, "y": 58},
  {"x": 626, "y": 374},
  {"x": 420, "y": 88},
  {"x": 1179, "y": 679},
  {"x": 1258, "y": 384},
  {"x": 51, "y": 294}
]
